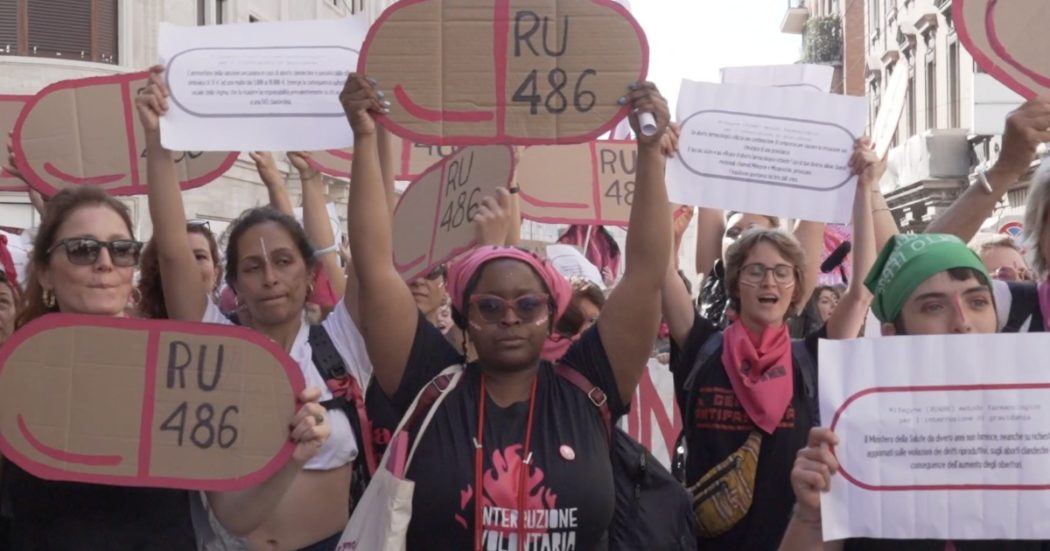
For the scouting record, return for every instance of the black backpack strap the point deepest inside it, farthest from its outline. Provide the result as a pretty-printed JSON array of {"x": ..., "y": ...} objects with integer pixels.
[
  {"x": 711, "y": 346},
  {"x": 808, "y": 368},
  {"x": 596, "y": 395},
  {"x": 347, "y": 394},
  {"x": 1024, "y": 304}
]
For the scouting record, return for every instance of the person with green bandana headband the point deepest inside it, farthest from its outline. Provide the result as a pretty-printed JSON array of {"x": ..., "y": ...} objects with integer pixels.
[{"x": 930, "y": 284}]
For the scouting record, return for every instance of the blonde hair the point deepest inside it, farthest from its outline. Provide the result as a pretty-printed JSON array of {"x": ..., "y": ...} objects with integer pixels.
[
  {"x": 785, "y": 244},
  {"x": 1035, "y": 211},
  {"x": 985, "y": 243}
]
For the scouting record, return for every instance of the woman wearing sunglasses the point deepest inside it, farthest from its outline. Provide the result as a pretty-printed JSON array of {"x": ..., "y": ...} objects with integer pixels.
[
  {"x": 747, "y": 392},
  {"x": 270, "y": 264},
  {"x": 83, "y": 259},
  {"x": 513, "y": 440}
]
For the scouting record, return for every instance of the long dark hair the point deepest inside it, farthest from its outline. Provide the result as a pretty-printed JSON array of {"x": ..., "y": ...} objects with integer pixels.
[
  {"x": 58, "y": 209},
  {"x": 151, "y": 302},
  {"x": 260, "y": 215}
]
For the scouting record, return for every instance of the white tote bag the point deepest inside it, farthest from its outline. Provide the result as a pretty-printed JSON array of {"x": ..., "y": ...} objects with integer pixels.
[{"x": 381, "y": 517}]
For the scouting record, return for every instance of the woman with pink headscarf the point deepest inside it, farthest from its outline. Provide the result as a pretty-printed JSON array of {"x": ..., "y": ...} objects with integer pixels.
[{"x": 513, "y": 440}]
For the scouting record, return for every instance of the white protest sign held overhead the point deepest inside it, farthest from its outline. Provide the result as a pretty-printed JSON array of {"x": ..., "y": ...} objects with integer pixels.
[
  {"x": 570, "y": 262},
  {"x": 259, "y": 86},
  {"x": 890, "y": 111},
  {"x": 942, "y": 437},
  {"x": 806, "y": 76},
  {"x": 762, "y": 149}
]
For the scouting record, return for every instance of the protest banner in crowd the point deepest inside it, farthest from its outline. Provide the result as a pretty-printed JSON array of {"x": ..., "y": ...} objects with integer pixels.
[
  {"x": 432, "y": 219},
  {"x": 923, "y": 421},
  {"x": 132, "y": 402},
  {"x": 86, "y": 132},
  {"x": 535, "y": 76},
  {"x": 259, "y": 86}
]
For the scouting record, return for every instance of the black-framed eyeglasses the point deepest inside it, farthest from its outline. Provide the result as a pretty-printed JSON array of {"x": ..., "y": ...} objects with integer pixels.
[
  {"x": 84, "y": 251},
  {"x": 783, "y": 274},
  {"x": 438, "y": 272}
]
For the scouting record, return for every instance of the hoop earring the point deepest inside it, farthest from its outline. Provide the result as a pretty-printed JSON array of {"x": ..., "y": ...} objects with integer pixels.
[{"x": 49, "y": 299}]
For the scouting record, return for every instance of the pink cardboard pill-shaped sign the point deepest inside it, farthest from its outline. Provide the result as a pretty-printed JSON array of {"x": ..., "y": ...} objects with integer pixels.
[
  {"x": 152, "y": 403},
  {"x": 1008, "y": 39},
  {"x": 10, "y": 107},
  {"x": 948, "y": 437},
  {"x": 462, "y": 72},
  {"x": 432, "y": 221},
  {"x": 87, "y": 131},
  {"x": 590, "y": 183}
]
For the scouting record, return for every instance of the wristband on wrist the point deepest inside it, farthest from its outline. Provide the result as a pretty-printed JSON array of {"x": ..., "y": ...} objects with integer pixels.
[
  {"x": 808, "y": 519},
  {"x": 981, "y": 177},
  {"x": 330, "y": 249}
]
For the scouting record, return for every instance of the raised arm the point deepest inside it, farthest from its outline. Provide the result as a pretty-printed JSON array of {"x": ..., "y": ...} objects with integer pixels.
[
  {"x": 811, "y": 236},
  {"x": 710, "y": 226},
  {"x": 675, "y": 302},
  {"x": 273, "y": 180},
  {"x": 316, "y": 222},
  {"x": 631, "y": 315},
  {"x": 389, "y": 158},
  {"x": 885, "y": 225},
  {"x": 185, "y": 295},
  {"x": 388, "y": 314},
  {"x": 849, "y": 315},
  {"x": 1026, "y": 128},
  {"x": 815, "y": 467}
]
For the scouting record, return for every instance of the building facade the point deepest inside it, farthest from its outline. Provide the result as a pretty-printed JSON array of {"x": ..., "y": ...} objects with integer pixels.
[
  {"x": 953, "y": 114},
  {"x": 45, "y": 41}
]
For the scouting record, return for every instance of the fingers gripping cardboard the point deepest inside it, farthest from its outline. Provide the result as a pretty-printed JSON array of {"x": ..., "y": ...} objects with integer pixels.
[
  {"x": 86, "y": 131},
  {"x": 1008, "y": 39},
  {"x": 442, "y": 203},
  {"x": 10, "y": 107},
  {"x": 590, "y": 183},
  {"x": 463, "y": 72},
  {"x": 146, "y": 403}
]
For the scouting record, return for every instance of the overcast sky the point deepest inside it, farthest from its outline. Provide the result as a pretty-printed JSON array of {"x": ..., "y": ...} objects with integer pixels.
[{"x": 695, "y": 38}]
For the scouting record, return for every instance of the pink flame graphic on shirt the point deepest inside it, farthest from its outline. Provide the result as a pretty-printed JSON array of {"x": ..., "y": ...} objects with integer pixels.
[{"x": 500, "y": 487}]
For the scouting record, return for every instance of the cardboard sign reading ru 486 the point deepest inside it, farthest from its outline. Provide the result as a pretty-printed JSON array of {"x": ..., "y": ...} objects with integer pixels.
[
  {"x": 146, "y": 403},
  {"x": 591, "y": 183},
  {"x": 464, "y": 72},
  {"x": 87, "y": 131},
  {"x": 442, "y": 203}
]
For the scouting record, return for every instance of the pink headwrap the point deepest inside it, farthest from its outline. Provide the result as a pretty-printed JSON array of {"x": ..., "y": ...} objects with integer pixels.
[
  {"x": 461, "y": 271},
  {"x": 7, "y": 265}
]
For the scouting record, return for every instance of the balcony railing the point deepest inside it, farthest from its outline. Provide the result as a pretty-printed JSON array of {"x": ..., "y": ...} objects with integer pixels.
[{"x": 795, "y": 17}]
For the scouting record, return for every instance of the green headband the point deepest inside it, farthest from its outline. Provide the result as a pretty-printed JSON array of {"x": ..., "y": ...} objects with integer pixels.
[{"x": 908, "y": 260}]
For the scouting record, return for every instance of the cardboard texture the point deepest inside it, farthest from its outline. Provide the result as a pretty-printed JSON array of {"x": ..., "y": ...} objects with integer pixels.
[
  {"x": 1008, "y": 39},
  {"x": 442, "y": 203},
  {"x": 413, "y": 159},
  {"x": 146, "y": 402},
  {"x": 87, "y": 131},
  {"x": 591, "y": 183},
  {"x": 890, "y": 111},
  {"x": 463, "y": 72},
  {"x": 10, "y": 107}
]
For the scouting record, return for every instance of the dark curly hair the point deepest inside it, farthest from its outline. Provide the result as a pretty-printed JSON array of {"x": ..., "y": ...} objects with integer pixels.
[{"x": 151, "y": 302}]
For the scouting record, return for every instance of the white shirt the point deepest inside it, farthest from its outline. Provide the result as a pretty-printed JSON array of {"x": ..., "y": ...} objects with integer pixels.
[{"x": 341, "y": 447}]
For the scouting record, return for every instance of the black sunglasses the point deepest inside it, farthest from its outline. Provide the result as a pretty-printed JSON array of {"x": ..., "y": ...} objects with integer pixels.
[
  {"x": 199, "y": 223},
  {"x": 84, "y": 251}
]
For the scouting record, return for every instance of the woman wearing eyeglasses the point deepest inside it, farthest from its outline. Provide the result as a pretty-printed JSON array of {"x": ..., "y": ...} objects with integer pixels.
[
  {"x": 514, "y": 447},
  {"x": 748, "y": 393}
]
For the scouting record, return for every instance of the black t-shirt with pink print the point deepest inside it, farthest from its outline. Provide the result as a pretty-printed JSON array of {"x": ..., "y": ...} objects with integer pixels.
[{"x": 569, "y": 490}]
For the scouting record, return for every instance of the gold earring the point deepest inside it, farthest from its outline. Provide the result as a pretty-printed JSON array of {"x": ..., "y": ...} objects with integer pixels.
[
  {"x": 49, "y": 299},
  {"x": 136, "y": 296}
]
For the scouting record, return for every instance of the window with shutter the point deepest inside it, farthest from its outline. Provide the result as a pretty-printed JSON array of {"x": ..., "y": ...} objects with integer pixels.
[
  {"x": 8, "y": 27},
  {"x": 70, "y": 29}
]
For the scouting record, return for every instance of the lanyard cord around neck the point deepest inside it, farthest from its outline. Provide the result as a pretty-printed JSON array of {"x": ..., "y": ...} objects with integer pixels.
[{"x": 479, "y": 457}]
